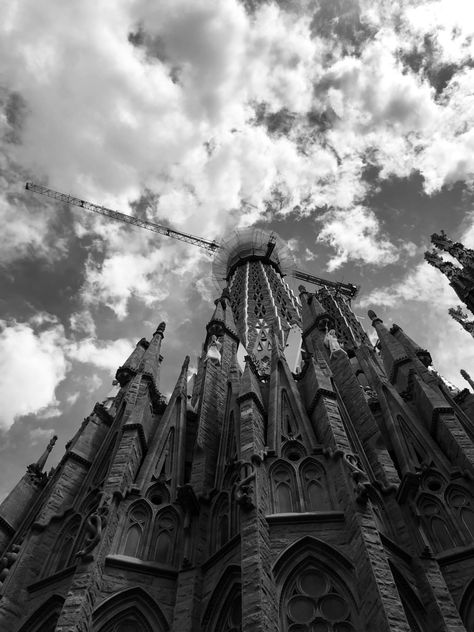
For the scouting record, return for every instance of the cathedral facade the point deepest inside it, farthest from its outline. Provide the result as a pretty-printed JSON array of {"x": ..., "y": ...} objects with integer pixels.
[{"x": 303, "y": 480}]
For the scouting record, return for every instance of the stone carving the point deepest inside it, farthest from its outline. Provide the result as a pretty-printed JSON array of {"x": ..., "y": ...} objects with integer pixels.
[
  {"x": 213, "y": 350},
  {"x": 35, "y": 470},
  {"x": 464, "y": 255},
  {"x": 359, "y": 476},
  {"x": 446, "y": 267},
  {"x": 95, "y": 524},
  {"x": 244, "y": 492},
  {"x": 462, "y": 318},
  {"x": 7, "y": 561},
  {"x": 332, "y": 343}
]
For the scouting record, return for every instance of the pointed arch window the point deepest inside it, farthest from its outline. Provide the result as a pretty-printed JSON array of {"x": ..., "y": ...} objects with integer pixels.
[
  {"x": 220, "y": 532},
  {"x": 466, "y": 607},
  {"x": 313, "y": 600},
  {"x": 436, "y": 523},
  {"x": 164, "y": 536},
  {"x": 230, "y": 619},
  {"x": 315, "y": 489},
  {"x": 136, "y": 529},
  {"x": 461, "y": 502},
  {"x": 64, "y": 547},
  {"x": 288, "y": 419},
  {"x": 283, "y": 488}
]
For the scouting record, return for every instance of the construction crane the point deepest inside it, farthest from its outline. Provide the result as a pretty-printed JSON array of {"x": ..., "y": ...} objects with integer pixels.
[{"x": 347, "y": 289}]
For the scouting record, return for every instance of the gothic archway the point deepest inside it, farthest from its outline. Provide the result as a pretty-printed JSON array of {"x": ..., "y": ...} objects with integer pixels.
[
  {"x": 129, "y": 611},
  {"x": 45, "y": 618}
]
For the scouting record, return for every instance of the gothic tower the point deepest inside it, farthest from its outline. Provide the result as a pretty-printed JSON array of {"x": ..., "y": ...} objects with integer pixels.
[{"x": 302, "y": 480}]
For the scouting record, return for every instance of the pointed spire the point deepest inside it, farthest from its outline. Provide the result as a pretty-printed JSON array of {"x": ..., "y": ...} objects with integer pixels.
[
  {"x": 392, "y": 351},
  {"x": 446, "y": 267},
  {"x": 129, "y": 368},
  {"x": 468, "y": 378},
  {"x": 160, "y": 330},
  {"x": 313, "y": 313},
  {"x": 249, "y": 385},
  {"x": 411, "y": 346},
  {"x": 462, "y": 318},
  {"x": 41, "y": 462},
  {"x": 151, "y": 361}
]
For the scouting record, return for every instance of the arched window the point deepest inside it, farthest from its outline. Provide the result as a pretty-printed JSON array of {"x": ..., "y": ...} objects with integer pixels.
[
  {"x": 436, "y": 523},
  {"x": 315, "y": 489},
  {"x": 164, "y": 537},
  {"x": 136, "y": 528},
  {"x": 224, "y": 607},
  {"x": 46, "y": 617},
  {"x": 466, "y": 607},
  {"x": 230, "y": 619},
  {"x": 220, "y": 531},
  {"x": 105, "y": 460},
  {"x": 64, "y": 547},
  {"x": 460, "y": 501},
  {"x": 313, "y": 599},
  {"x": 289, "y": 424},
  {"x": 283, "y": 488},
  {"x": 130, "y": 611}
]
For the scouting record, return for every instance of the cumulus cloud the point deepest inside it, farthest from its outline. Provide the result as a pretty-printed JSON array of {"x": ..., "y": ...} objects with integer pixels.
[
  {"x": 107, "y": 355},
  {"x": 32, "y": 363},
  {"x": 356, "y": 235}
]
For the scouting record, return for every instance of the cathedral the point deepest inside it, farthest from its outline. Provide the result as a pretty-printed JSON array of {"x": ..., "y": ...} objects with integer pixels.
[{"x": 302, "y": 480}]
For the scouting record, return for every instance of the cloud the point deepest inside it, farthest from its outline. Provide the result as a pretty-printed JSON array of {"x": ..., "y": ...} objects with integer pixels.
[
  {"x": 356, "y": 235},
  {"x": 107, "y": 355},
  {"x": 41, "y": 435},
  {"x": 32, "y": 364}
]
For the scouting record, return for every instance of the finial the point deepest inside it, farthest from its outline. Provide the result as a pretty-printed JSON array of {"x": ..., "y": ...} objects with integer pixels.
[
  {"x": 373, "y": 317},
  {"x": 160, "y": 329},
  {"x": 226, "y": 293},
  {"x": 41, "y": 462},
  {"x": 468, "y": 378}
]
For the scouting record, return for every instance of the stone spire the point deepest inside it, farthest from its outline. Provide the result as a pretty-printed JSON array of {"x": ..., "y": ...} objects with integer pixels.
[
  {"x": 41, "y": 462},
  {"x": 410, "y": 345},
  {"x": 468, "y": 378},
  {"x": 462, "y": 318},
  {"x": 392, "y": 351},
  {"x": 129, "y": 368},
  {"x": 151, "y": 361}
]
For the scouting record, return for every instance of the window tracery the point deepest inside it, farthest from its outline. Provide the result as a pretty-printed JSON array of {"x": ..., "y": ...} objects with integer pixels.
[
  {"x": 64, "y": 546},
  {"x": 164, "y": 536},
  {"x": 231, "y": 615},
  {"x": 313, "y": 602},
  {"x": 313, "y": 478},
  {"x": 461, "y": 503},
  {"x": 283, "y": 488},
  {"x": 221, "y": 524},
  {"x": 136, "y": 528},
  {"x": 436, "y": 522}
]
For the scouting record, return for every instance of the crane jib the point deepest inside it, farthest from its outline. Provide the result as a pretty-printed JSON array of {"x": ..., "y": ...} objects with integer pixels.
[{"x": 348, "y": 289}]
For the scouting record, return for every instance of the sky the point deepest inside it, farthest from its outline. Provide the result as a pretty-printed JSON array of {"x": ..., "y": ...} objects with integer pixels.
[{"x": 343, "y": 125}]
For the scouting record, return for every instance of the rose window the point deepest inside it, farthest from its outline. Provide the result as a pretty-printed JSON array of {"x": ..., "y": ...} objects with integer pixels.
[{"x": 314, "y": 604}]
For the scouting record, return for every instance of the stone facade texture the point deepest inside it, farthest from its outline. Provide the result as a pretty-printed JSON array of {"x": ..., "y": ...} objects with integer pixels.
[{"x": 331, "y": 495}]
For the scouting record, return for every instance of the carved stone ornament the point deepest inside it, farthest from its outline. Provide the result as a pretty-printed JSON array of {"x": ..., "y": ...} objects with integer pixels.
[
  {"x": 332, "y": 343},
  {"x": 244, "y": 492},
  {"x": 95, "y": 524},
  {"x": 213, "y": 350}
]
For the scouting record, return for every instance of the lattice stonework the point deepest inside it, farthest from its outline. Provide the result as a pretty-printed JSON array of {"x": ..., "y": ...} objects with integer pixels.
[{"x": 261, "y": 303}]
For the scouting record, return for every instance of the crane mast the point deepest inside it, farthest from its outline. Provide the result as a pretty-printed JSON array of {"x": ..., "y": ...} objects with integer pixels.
[{"x": 347, "y": 289}]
